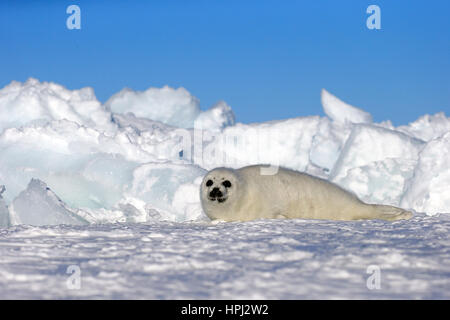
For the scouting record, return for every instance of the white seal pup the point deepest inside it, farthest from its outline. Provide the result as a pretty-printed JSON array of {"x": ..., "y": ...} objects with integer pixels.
[{"x": 245, "y": 194}]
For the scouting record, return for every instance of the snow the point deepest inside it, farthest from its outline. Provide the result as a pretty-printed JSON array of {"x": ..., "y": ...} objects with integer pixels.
[
  {"x": 40, "y": 102},
  {"x": 114, "y": 189},
  {"x": 175, "y": 107},
  {"x": 172, "y": 106},
  {"x": 427, "y": 127},
  {"x": 264, "y": 259},
  {"x": 340, "y": 111},
  {"x": 217, "y": 118},
  {"x": 4, "y": 212}
]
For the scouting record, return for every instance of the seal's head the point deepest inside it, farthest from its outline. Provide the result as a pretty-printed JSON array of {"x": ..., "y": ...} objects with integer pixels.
[{"x": 218, "y": 191}]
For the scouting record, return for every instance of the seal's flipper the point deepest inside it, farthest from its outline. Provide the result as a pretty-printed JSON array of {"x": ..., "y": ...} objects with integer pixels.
[{"x": 390, "y": 213}]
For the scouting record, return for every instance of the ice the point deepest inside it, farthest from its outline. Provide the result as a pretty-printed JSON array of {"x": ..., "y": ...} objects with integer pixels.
[
  {"x": 170, "y": 188},
  {"x": 141, "y": 156},
  {"x": 429, "y": 189},
  {"x": 286, "y": 143},
  {"x": 4, "y": 212},
  {"x": 327, "y": 144},
  {"x": 186, "y": 201},
  {"x": 368, "y": 144},
  {"x": 39, "y": 206},
  {"x": 381, "y": 182},
  {"x": 216, "y": 118},
  {"x": 141, "y": 124},
  {"x": 175, "y": 107},
  {"x": 84, "y": 166},
  {"x": 39, "y": 102},
  {"x": 93, "y": 171},
  {"x": 342, "y": 112},
  {"x": 88, "y": 169}
]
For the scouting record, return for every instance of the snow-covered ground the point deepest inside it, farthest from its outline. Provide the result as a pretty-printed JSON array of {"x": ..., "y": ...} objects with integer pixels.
[
  {"x": 275, "y": 259},
  {"x": 111, "y": 191}
]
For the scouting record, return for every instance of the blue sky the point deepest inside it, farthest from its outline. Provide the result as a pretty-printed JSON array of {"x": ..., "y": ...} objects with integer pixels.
[{"x": 267, "y": 59}]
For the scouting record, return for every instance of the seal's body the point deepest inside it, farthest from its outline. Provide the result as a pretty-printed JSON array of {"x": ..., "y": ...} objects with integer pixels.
[{"x": 245, "y": 194}]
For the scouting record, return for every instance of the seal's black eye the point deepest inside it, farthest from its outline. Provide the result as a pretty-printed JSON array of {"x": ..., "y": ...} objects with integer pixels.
[
  {"x": 209, "y": 183},
  {"x": 226, "y": 184}
]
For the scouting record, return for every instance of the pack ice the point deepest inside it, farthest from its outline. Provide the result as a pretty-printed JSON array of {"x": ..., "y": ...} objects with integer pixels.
[{"x": 141, "y": 155}]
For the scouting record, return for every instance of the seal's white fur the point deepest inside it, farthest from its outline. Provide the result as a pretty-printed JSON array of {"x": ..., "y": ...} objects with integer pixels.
[{"x": 287, "y": 194}]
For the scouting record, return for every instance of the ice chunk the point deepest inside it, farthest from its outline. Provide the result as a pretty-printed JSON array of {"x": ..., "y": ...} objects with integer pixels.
[
  {"x": 38, "y": 206},
  {"x": 88, "y": 168},
  {"x": 216, "y": 118},
  {"x": 152, "y": 137},
  {"x": 157, "y": 184},
  {"x": 429, "y": 189},
  {"x": 427, "y": 127},
  {"x": 285, "y": 143},
  {"x": 39, "y": 102},
  {"x": 186, "y": 201},
  {"x": 381, "y": 182},
  {"x": 369, "y": 143},
  {"x": 175, "y": 107},
  {"x": 4, "y": 212},
  {"x": 327, "y": 144},
  {"x": 140, "y": 124},
  {"x": 99, "y": 183},
  {"x": 342, "y": 112}
]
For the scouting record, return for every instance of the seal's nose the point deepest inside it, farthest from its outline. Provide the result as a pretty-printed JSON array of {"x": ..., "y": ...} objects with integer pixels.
[{"x": 215, "y": 193}]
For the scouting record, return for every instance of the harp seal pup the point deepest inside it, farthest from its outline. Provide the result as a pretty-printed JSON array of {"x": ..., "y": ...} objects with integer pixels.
[{"x": 244, "y": 194}]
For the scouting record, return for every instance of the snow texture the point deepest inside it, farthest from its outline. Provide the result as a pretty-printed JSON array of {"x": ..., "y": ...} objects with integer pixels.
[
  {"x": 4, "y": 212},
  {"x": 113, "y": 190},
  {"x": 264, "y": 259}
]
